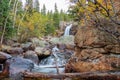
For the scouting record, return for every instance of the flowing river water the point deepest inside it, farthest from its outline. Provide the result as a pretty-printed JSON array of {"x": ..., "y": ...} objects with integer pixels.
[{"x": 55, "y": 63}]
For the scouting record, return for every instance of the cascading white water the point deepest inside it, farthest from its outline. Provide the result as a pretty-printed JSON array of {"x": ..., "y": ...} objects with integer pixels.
[
  {"x": 67, "y": 30},
  {"x": 48, "y": 65},
  {"x": 55, "y": 63},
  {"x": 55, "y": 49}
]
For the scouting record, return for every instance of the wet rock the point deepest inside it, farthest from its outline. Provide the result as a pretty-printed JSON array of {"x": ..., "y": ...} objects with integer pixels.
[
  {"x": 61, "y": 59},
  {"x": 68, "y": 54},
  {"x": 28, "y": 46},
  {"x": 4, "y": 66},
  {"x": 4, "y": 70},
  {"x": 4, "y": 56},
  {"x": 32, "y": 56},
  {"x": 17, "y": 65},
  {"x": 61, "y": 46},
  {"x": 42, "y": 52},
  {"x": 15, "y": 51}
]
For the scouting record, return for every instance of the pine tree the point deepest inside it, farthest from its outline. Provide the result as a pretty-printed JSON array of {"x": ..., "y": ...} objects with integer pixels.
[
  {"x": 56, "y": 17},
  {"x": 43, "y": 10},
  {"x": 36, "y": 5},
  {"x": 61, "y": 15},
  {"x": 29, "y": 5},
  {"x": 56, "y": 10}
]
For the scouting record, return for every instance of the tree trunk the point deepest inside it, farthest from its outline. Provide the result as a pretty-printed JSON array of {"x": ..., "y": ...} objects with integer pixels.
[{"x": 106, "y": 75}]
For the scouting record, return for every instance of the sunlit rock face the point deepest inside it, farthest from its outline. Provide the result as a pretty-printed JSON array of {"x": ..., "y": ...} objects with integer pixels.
[
  {"x": 93, "y": 51},
  {"x": 73, "y": 29},
  {"x": 93, "y": 37}
]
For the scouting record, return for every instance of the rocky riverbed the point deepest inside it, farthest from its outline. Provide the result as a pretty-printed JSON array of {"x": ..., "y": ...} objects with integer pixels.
[
  {"x": 36, "y": 55},
  {"x": 92, "y": 55}
]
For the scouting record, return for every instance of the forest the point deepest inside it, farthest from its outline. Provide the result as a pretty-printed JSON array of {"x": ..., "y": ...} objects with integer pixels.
[
  {"x": 82, "y": 43},
  {"x": 23, "y": 23}
]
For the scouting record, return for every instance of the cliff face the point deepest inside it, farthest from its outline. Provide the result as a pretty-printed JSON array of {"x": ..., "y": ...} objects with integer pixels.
[{"x": 96, "y": 50}]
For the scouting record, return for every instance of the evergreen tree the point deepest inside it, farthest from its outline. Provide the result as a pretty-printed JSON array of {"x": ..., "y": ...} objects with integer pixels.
[
  {"x": 50, "y": 28},
  {"x": 50, "y": 15},
  {"x": 56, "y": 17},
  {"x": 56, "y": 10},
  {"x": 6, "y": 28},
  {"x": 61, "y": 15},
  {"x": 36, "y": 5},
  {"x": 43, "y": 10},
  {"x": 29, "y": 5}
]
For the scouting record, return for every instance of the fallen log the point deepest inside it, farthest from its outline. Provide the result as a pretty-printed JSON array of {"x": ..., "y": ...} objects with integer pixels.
[
  {"x": 106, "y": 75},
  {"x": 52, "y": 66}
]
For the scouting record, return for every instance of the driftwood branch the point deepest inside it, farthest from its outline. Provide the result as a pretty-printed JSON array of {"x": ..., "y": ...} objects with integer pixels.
[
  {"x": 53, "y": 66},
  {"x": 57, "y": 68},
  {"x": 112, "y": 75}
]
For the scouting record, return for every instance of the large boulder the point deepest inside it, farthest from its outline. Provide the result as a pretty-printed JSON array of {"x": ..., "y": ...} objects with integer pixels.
[
  {"x": 15, "y": 51},
  {"x": 28, "y": 46},
  {"x": 4, "y": 70},
  {"x": 4, "y": 56},
  {"x": 39, "y": 50},
  {"x": 4, "y": 66},
  {"x": 89, "y": 60},
  {"x": 93, "y": 37},
  {"x": 16, "y": 45},
  {"x": 93, "y": 49},
  {"x": 18, "y": 65},
  {"x": 42, "y": 52},
  {"x": 32, "y": 56},
  {"x": 5, "y": 48},
  {"x": 63, "y": 40},
  {"x": 38, "y": 42}
]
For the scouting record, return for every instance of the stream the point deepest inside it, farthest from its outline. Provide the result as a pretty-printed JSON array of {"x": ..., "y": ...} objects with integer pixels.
[{"x": 55, "y": 63}]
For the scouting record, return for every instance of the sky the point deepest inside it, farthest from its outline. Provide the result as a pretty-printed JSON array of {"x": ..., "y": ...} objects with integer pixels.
[{"x": 61, "y": 4}]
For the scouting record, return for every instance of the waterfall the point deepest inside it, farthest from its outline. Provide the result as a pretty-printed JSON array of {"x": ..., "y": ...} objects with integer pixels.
[
  {"x": 49, "y": 64},
  {"x": 67, "y": 30}
]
